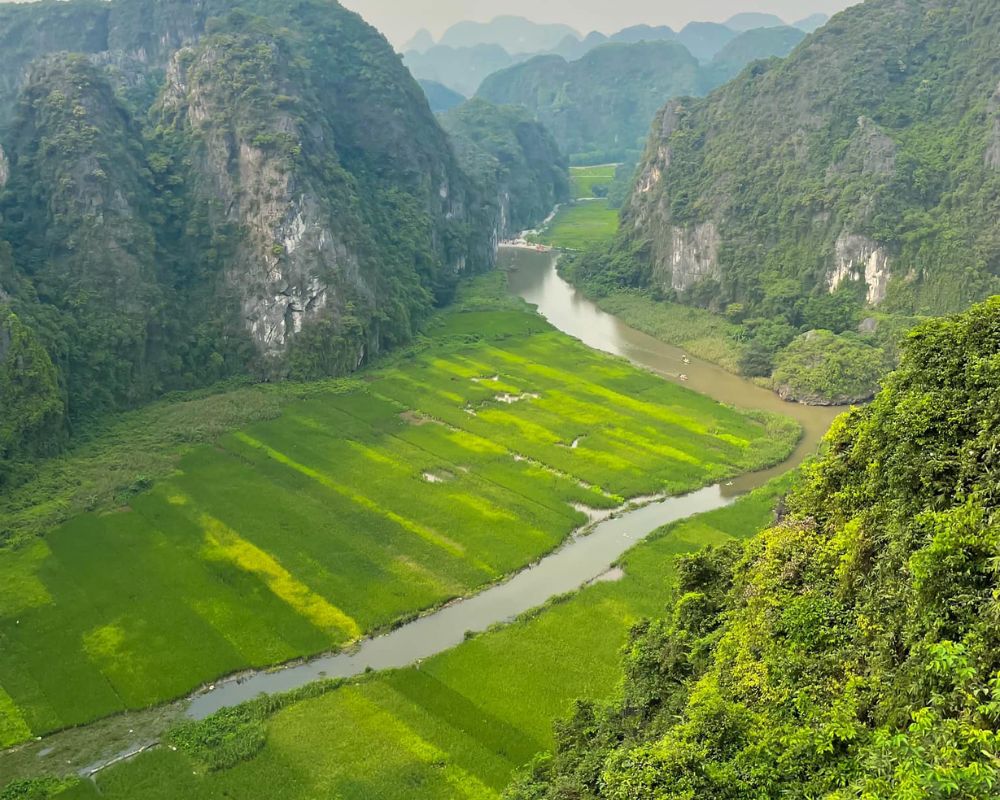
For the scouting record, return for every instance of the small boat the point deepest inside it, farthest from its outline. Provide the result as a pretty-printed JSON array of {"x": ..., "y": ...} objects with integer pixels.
[{"x": 684, "y": 378}]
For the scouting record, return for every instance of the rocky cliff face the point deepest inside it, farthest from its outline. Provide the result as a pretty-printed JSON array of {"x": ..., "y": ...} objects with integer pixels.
[
  {"x": 836, "y": 167},
  {"x": 515, "y": 162},
  {"x": 208, "y": 188},
  {"x": 859, "y": 258}
]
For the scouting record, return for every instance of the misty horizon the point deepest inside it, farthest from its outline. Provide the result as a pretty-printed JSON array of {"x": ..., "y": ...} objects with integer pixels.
[{"x": 437, "y": 16}]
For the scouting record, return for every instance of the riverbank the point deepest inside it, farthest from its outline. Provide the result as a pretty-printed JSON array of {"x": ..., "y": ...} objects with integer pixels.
[{"x": 590, "y": 437}]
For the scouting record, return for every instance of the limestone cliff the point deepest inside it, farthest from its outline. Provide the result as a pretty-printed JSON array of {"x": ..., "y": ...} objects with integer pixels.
[
  {"x": 867, "y": 161},
  {"x": 519, "y": 172},
  {"x": 211, "y": 187}
]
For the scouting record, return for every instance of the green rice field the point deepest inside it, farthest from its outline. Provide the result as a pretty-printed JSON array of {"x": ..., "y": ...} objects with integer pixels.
[
  {"x": 580, "y": 225},
  {"x": 584, "y": 179},
  {"x": 359, "y": 505},
  {"x": 460, "y": 724}
]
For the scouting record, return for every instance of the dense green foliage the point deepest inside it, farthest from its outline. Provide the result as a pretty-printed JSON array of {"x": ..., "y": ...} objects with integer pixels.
[
  {"x": 850, "y": 651},
  {"x": 455, "y": 459},
  {"x": 844, "y": 164},
  {"x": 229, "y": 188},
  {"x": 440, "y": 97},
  {"x": 30, "y": 395},
  {"x": 821, "y": 366},
  {"x": 599, "y": 107},
  {"x": 603, "y": 103},
  {"x": 808, "y": 189},
  {"x": 514, "y": 161},
  {"x": 754, "y": 44}
]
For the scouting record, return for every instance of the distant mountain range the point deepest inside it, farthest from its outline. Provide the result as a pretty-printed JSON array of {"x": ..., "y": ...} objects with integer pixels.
[
  {"x": 468, "y": 52},
  {"x": 599, "y": 107}
]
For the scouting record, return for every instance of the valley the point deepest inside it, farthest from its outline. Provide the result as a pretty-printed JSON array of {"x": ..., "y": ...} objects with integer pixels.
[{"x": 362, "y": 441}]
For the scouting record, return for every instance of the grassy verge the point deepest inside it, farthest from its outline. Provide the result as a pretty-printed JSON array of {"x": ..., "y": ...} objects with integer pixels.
[
  {"x": 344, "y": 507},
  {"x": 702, "y": 333},
  {"x": 458, "y": 725},
  {"x": 584, "y": 179},
  {"x": 580, "y": 225}
]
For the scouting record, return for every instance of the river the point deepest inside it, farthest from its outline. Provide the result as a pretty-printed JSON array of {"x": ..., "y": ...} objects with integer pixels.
[
  {"x": 585, "y": 558},
  {"x": 532, "y": 276}
]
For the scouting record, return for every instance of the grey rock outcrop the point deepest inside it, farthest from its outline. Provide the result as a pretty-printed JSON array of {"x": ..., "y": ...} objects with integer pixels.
[
  {"x": 862, "y": 259},
  {"x": 993, "y": 145}
]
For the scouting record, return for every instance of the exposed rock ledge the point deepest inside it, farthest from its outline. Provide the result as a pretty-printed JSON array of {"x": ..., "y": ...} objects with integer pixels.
[
  {"x": 4, "y": 168},
  {"x": 993, "y": 147},
  {"x": 693, "y": 256},
  {"x": 791, "y": 395},
  {"x": 861, "y": 258}
]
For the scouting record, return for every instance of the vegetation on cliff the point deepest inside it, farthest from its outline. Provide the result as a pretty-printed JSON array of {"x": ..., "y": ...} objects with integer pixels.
[
  {"x": 850, "y": 651},
  {"x": 599, "y": 107},
  {"x": 514, "y": 161},
  {"x": 876, "y": 170},
  {"x": 837, "y": 185},
  {"x": 194, "y": 192}
]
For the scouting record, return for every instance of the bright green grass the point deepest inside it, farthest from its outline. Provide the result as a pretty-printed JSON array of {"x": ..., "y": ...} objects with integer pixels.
[
  {"x": 302, "y": 533},
  {"x": 581, "y": 225},
  {"x": 702, "y": 333},
  {"x": 583, "y": 179},
  {"x": 458, "y": 725}
]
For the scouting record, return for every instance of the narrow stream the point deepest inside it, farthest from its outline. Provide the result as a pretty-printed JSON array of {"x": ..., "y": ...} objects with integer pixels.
[{"x": 581, "y": 560}]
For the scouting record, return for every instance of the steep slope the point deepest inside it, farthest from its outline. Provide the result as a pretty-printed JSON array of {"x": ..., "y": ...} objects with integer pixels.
[
  {"x": 220, "y": 193},
  {"x": 812, "y": 23},
  {"x": 603, "y": 102},
  {"x": 850, "y": 651},
  {"x": 76, "y": 210},
  {"x": 461, "y": 69},
  {"x": 874, "y": 175},
  {"x": 440, "y": 97},
  {"x": 421, "y": 42},
  {"x": 599, "y": 107},
  {"x": 705, "y": 39},
  {"x": 515, "y": 161},
  {"x": 750, "y": 46}
]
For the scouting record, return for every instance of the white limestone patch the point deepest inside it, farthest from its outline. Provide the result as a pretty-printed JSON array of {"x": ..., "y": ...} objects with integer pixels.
[{"x": 861, "y": 258}]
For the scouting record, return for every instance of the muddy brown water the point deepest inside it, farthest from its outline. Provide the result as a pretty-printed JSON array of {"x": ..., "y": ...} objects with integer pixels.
[{"x": 581, "y": 561}]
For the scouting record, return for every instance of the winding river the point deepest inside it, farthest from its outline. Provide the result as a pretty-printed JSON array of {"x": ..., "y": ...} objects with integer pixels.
[{"x": 582, "y": 560}]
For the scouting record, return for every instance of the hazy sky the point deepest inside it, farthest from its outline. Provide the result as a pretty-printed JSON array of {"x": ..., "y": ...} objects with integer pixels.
[{"x": 400, "y": 19}]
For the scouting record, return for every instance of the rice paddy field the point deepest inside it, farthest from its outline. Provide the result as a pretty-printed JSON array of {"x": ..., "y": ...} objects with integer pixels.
[
  {"x": 460, "y": 724},
  {"x": 356, "y": 507},
  {"x": 584, "y": 179},
  {"x": 580, "y": 225}
]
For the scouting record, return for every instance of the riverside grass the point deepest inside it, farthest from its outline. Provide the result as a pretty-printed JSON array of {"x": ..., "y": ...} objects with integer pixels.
[
  {"x": 584, "y": 179},
  {"x": 460, "y": 723},
  {"x": 359, "y": 504},
  {"x": 580, "y": 225}
]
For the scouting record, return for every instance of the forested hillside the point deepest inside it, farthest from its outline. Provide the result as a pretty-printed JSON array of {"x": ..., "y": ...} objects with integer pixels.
[
  {"x": 197, "y": 191},
  {"x": 845, "y": 176},
  {"x": 516, "y": 164},
  {"x": 851, "y": 650},
  {"x": 600, "y": 107}
]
